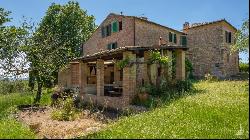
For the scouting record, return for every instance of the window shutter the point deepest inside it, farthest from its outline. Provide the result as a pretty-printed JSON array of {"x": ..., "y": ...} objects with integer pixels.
[
  {"x": 115, "y": 45},
  {"x": 109, "y": 29},
  {"x": 114, "y": 27},
  {"x": 170, "y": 37},
  {"x": 175, "y": 38},
  {"x": 184, "y": 40},
  {"x": 109, "y": 47},
  {"x": 103, "y": 32},
  {"x": 229, "y": 37},
  {"x": 120, "y": 26},
  {"x": 226, "y": 36}
]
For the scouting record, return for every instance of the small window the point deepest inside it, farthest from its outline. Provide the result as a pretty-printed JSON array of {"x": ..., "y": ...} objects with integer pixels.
[
  {"x": 226, "y": 36},
  {"x": 175, "y": 38},
  {"x": 170, "y": 37},
  {"x": 184, "y": 40},
  {"x": 112, "y": 46},
  {"x": 228, "y": 58},
  {"x": 229, "y": 37},
  {"x": 120, "y": 26}
]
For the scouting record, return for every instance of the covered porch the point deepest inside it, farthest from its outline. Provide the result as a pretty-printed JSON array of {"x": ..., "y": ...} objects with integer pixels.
[{"x": 102, "y": 82}]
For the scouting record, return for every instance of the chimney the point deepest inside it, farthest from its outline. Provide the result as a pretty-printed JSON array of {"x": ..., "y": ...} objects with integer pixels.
[{"x": 186, "y": 25}]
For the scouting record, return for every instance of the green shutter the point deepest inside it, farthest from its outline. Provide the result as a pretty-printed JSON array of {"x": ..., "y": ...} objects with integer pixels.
[
  {"x": 109, "y": 46},
  {"x": 114, "y": 26},
  {"x": 175, "y": 38},
  {"x": 183, "y": 40},
  {"x": 170, "y": 37}
]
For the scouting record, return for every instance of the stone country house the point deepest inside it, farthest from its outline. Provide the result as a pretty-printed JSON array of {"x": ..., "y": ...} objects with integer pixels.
[{"x": 120, "y": 37}]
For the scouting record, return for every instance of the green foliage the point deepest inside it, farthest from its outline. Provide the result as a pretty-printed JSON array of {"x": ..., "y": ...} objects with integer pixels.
[
  {"x": 156, "y": 57},
  {"x": 242, "y": 38},
  {"x": 12, "y": 129},
  {"x": 210, "y": 78},
  {"x": 123, "y": 63},
  {"x": 65, "y": 112},
  {"x": 217, "y": 110},
  {"x": 4, "y": 16},
  {"x": 244, "y": 67},
  {"x": 57, "y": 40},
  {"x": 7, "y": 86},
  {"x": 9, "y": 127},
  {"x": 11, "y": 47},
  {"x": 189, "y": 69}
]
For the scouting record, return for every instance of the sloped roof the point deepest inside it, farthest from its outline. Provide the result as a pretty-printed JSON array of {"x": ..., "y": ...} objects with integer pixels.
[
  {"x": 208, "y": 23},
  {"x": 148, "y": 21},
  {"x": 119, "y": 50}
]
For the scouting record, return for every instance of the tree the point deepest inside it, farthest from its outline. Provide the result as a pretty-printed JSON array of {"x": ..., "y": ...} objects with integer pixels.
[
  {"x": 57, "y": 40},
  {"x": 13, "y": 62},
  {"x": 242, "y": 38}
]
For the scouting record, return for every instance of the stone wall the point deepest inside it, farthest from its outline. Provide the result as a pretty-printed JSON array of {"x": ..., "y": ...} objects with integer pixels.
[
  {"x": 148, "y": 34},
  {"x": 125, "y": 37},
  {"x": 205, "y": 45}
]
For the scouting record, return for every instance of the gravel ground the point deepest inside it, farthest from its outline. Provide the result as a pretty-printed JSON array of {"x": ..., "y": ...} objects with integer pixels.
[{"x": 41, "y": 123}]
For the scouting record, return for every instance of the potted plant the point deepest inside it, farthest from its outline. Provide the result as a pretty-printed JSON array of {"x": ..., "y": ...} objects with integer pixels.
[{"x": 143, "y": 94}]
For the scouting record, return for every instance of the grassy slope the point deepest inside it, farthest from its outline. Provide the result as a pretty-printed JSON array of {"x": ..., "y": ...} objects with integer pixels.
[
  {"x": 9, "y": 127},
  {"x": 220, "y": 110}
]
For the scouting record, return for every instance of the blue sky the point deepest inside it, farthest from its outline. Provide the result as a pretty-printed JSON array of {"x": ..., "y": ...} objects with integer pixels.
[{"x": 171, "y": 13}]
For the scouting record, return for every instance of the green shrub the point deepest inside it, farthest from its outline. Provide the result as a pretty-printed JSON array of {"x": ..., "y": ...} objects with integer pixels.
[
  {"x": 65, "y": 112},
  {"x": 7, "y": 86},
  {"x": 210, "y": 78},
  {"x": 189, "y": 69},
  {"x": 244, "y": 67}
]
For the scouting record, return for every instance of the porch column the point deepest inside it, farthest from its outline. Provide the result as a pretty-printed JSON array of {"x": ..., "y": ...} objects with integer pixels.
[
  {"x": 154, "y": 72},
  {"x": 129, "y": 77},
  {"x": 180, "y": 64},
  {"x": 116, "y": 72},
  {"x": 100, "y": 77},
  {"x": 82, "y": 77},
  {"x": 145, "y": 66},
  {"x": 168, "y": 71}
]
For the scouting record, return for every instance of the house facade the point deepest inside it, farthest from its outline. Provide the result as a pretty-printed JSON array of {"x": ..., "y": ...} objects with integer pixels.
[
  {"x": 96, "y": 74},
  {"x": 101, "y": 81},
  {"x": 209, "y": 48}
]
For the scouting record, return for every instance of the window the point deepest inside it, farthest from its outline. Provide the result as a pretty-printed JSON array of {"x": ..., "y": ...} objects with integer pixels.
[
  {"x": 228, "y": 58},
  {"x": 112, "y": 46},
  {"x": 114, "y": 26},
  {"x": 228, "y": 37},
  {"x": 108, "y": 28},
  {"x": 175, "y": 38},
  {"x": 170, "y": 37},
  {"x": 120, "y": 26},
  {"x": 184, "y": 40}
]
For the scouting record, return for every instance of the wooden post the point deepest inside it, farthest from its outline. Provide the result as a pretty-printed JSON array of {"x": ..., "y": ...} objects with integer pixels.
[{"x": 100, "y": 77}]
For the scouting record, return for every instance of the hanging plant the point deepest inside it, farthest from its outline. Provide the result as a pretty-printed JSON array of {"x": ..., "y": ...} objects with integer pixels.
[
  {"x": 155, "y": 57},
  {"x": 123, "y": 63}
]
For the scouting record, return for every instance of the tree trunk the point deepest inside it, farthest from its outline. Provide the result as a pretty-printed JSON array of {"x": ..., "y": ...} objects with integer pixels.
[{"x": 39, "y": 91}]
